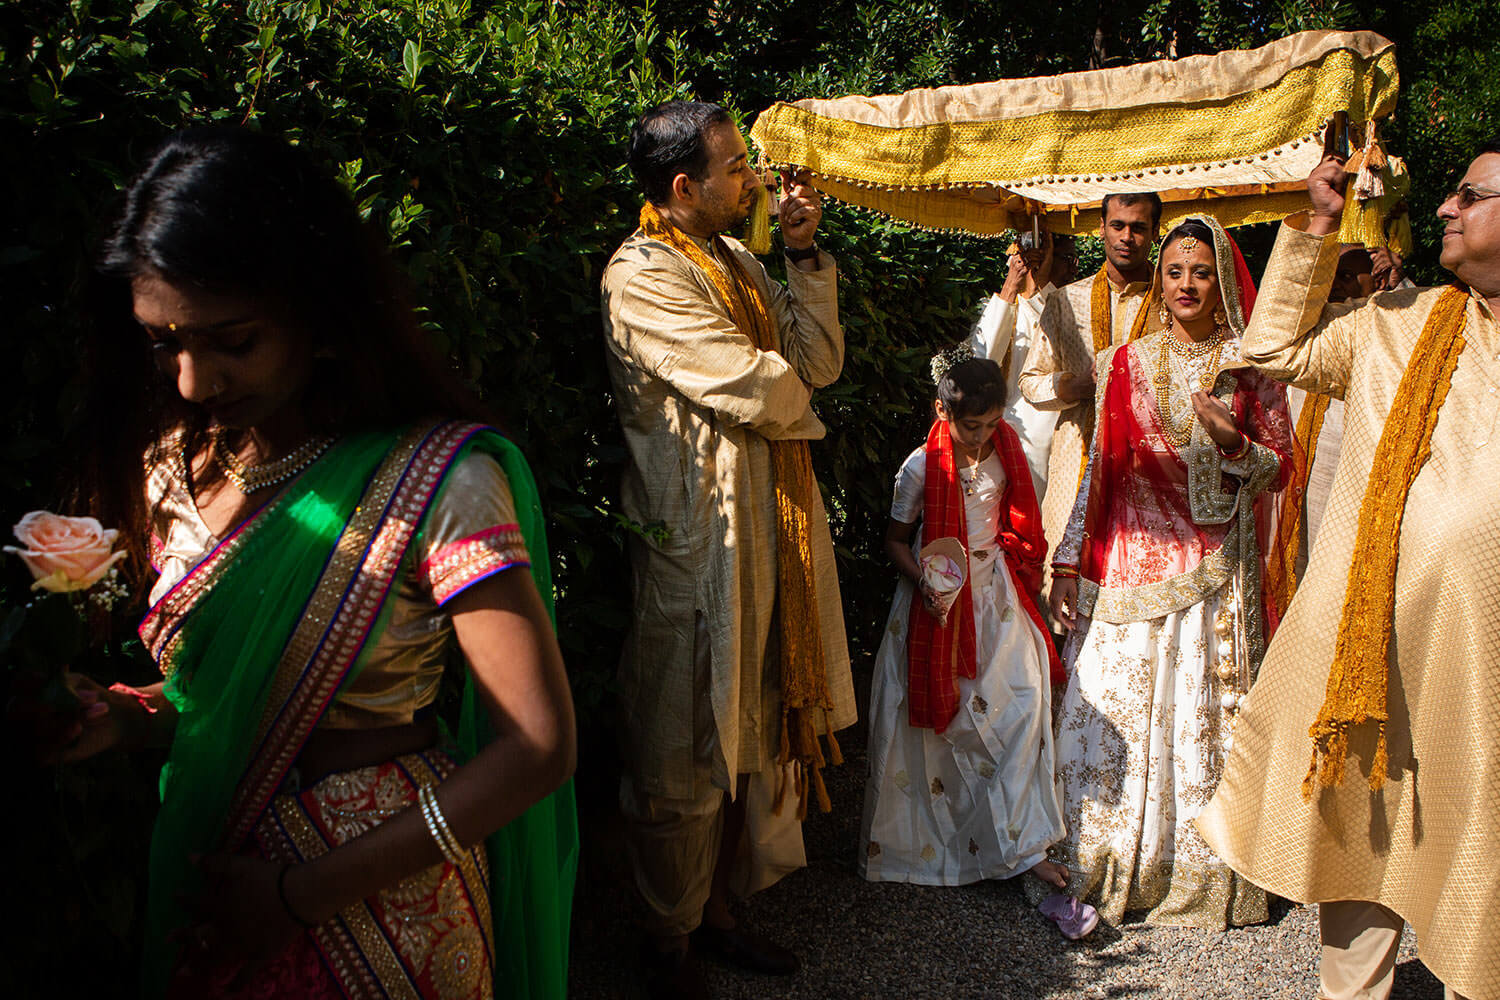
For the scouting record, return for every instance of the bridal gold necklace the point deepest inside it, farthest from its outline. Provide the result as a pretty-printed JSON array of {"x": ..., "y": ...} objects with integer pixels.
[{"x": 1191, "y": 353}]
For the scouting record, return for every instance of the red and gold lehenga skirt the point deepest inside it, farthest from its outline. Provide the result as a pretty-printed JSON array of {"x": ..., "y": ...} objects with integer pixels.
[{"x": 428, "y": 936}]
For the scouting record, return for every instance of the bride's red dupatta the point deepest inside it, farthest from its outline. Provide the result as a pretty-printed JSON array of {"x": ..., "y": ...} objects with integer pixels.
[{"x": 1125, "y": 422}]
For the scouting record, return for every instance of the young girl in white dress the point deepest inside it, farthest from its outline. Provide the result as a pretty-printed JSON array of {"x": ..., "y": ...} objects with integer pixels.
[{"x": 961, "y": 757}]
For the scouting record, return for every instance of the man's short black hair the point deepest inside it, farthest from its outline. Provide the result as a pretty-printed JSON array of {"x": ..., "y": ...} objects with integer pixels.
[
  {"x": 1490, "y": 145},
  {"x": 670, "y": 139},
  {"x": 1133, "y": 198}
]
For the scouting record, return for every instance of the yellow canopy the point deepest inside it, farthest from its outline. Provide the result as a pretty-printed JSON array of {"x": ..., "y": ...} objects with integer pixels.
[{"x": 1234, "y": 134}]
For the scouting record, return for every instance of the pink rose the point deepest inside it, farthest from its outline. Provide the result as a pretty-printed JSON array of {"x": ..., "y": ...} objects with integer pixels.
[{"x": 65, "y": 553}]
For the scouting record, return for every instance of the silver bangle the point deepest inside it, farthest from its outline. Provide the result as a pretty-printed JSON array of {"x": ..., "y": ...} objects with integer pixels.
[{"x": 437, "y": 826}]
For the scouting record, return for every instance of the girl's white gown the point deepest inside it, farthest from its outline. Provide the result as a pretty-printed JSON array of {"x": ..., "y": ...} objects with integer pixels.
[{"x": 978, "y": 800}]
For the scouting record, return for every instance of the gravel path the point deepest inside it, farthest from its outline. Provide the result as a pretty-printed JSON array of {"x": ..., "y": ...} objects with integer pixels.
[{"x": 872, "y": 940}]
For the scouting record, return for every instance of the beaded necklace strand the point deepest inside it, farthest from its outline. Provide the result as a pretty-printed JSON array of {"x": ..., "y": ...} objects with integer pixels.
[
  {"x": 250, "y": 479},
  {"x": 1212, "y": 348}
]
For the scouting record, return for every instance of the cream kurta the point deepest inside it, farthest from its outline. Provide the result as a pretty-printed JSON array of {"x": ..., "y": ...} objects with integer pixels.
[
  {"x": 1425, "y": 846},
  {"x": 699, "y": 404},
  {"x": 1067, "y": 346},
  {"x": 1321, "y": 463},
  {"x": 1005, "y": 333}
]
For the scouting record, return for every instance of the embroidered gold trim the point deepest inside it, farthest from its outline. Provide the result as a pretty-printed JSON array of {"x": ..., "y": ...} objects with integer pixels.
[
  {"x": 362, "y": 959},
  {"x": 161, "y": 629},
  {"x": 1281, "y": 569},
  {"x": 462, "y": 563},
  {"x": 475, "y": 867},
  {"x": 342, "y": 611},
  {"x": 1122, "y": 605},
  {"x": 1194, "y": 895}
]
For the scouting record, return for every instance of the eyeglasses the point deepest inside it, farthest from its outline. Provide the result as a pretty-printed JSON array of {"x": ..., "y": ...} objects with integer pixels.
[{"x": 1468, "y": 195}]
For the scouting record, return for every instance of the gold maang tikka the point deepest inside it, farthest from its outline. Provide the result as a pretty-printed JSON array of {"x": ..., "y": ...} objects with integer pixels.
[{"x": 1187, "y": 245}]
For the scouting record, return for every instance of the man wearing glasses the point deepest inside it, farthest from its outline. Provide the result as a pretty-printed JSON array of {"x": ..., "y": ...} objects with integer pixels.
[{"x": 1365, "y": 774}]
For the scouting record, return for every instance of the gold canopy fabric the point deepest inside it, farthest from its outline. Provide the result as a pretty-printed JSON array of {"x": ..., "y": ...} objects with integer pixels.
[{"x": 1234, "y": 135}]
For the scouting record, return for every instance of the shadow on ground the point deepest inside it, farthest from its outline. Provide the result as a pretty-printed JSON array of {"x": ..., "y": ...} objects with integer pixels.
[{"x": 871, "y": 941}]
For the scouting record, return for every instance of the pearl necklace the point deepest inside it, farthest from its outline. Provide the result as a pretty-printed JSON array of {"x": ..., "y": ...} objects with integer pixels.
[
  {"x": 1213, "y": 349},
  {"x": 250, "y": 479}
]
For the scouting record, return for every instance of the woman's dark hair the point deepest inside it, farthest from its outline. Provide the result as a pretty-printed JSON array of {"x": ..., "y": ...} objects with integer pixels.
[
  {"x": 233, "y": 211},
  {"x": 1188, "y": 227},
  {"x": 972, "y": 388},
  {"x": 671, "y": 139}
]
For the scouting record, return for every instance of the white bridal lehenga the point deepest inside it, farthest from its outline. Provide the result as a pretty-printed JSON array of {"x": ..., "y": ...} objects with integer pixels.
[
  {"x": 1167, "y": 539},
  {"x": 978, "y": 800}
]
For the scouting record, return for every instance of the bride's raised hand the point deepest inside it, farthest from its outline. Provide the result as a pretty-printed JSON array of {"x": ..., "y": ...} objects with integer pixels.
[{"x": 1217, "y": 420}]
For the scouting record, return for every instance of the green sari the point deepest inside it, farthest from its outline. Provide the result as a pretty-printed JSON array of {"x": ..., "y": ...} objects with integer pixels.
[{"x": 257, "y": 639}]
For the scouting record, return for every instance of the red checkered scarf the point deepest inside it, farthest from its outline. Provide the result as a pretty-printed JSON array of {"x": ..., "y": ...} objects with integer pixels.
[{"x": 937, "y": 655}]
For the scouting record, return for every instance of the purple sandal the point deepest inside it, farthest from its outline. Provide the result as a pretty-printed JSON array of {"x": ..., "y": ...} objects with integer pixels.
[{"x": 1074, "y": 918}]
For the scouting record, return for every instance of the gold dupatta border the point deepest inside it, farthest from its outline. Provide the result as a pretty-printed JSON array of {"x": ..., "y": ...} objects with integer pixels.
[
  {"x": 343, "y": 610},
  {"x": 357, "y": 949}
]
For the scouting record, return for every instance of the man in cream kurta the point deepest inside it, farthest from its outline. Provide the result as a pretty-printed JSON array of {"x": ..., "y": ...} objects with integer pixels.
[
  {"x": 1059, "y": 373},
  {"x": 1354, "y": 278},
  {"x": 699, "y": 404},
  {"x": 1007, "y": 329},
  {"x": 1423, "y": 848}
]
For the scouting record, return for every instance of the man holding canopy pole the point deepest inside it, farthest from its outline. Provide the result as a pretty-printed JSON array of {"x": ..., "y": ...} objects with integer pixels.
[
  {"x": 736, "y": 663},
  {"x": 1365, "y": 774}
]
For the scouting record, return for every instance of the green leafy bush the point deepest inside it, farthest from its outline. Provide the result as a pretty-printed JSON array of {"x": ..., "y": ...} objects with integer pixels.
[{"x": 487, "y": 139}]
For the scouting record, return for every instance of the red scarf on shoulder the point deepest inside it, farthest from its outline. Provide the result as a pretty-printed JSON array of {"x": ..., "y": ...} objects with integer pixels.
[{"x": 937, "y": 655}]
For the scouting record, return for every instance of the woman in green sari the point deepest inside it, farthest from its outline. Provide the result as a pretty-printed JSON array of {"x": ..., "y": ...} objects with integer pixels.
[{"x": 328, "y": 519}]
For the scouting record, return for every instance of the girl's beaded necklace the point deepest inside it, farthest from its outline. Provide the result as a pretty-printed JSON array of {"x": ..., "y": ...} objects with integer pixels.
[
  {"x": 250, "y": 479},
  {"x": 969, "y": 476}
]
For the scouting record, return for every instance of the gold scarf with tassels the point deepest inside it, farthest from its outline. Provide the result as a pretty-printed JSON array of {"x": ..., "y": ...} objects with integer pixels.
[
  {"x": 804, "y": 676},
  {"x": 1358, "y": 678},
  {"x": 1102, "y": 324},
  {"x": 1281, "y": 568},
  {"x": 1101, "y": 312}
]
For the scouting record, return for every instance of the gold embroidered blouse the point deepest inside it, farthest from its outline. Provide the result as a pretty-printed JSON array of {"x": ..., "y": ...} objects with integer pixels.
[{"x": 470, "y": 533}]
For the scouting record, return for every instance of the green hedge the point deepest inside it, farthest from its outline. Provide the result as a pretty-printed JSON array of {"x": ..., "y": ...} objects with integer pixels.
[{"x": 487, "y": 139}]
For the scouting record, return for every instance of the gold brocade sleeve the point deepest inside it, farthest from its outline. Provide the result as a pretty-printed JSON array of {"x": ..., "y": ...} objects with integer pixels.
[
  {"x": 1294, "y": 335},
  {"x": 471, "y": 531}
]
